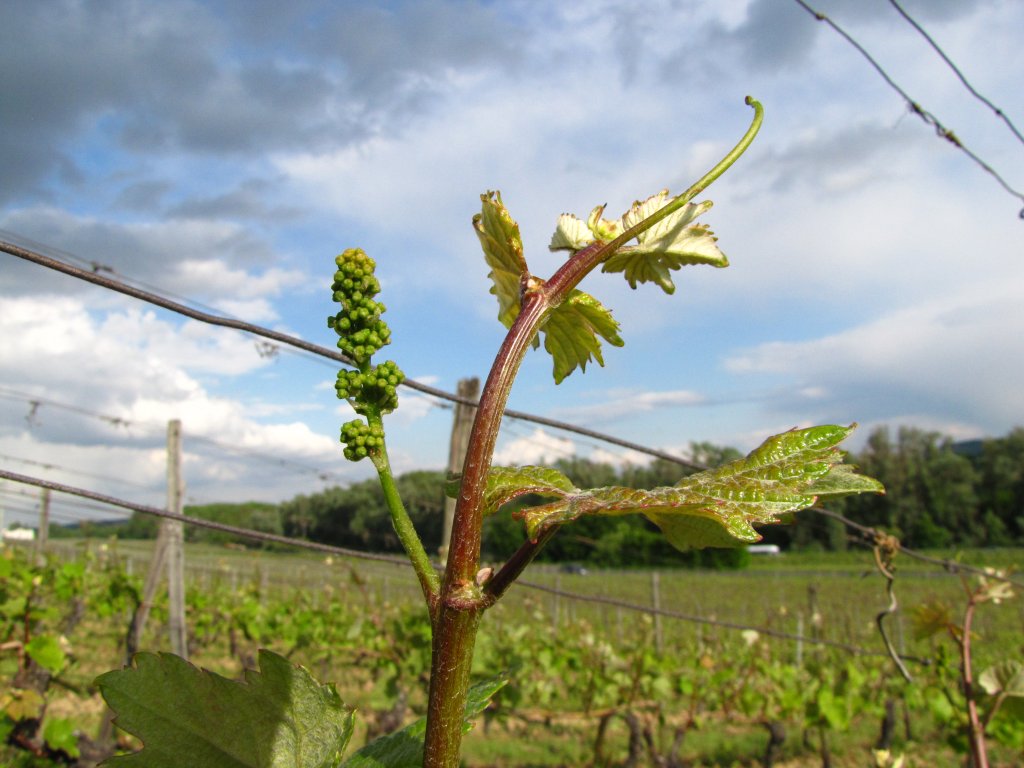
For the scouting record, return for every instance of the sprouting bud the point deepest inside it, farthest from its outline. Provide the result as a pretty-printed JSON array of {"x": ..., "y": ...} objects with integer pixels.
[{"x": 361, "y": 440}]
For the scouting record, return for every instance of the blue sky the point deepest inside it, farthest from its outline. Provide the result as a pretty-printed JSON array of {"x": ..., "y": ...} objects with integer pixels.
[{"x": 226, "y": 151}]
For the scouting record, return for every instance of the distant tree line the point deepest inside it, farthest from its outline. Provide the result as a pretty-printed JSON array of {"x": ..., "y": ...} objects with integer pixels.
[{"x": 939, "y": 494}]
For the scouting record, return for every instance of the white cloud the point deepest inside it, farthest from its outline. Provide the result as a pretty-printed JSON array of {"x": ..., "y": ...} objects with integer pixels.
[
  {"x": 955, "y": 356},
  {"x": 143, "y": 369},
  {"x": 201, "y": 259},
  {"x": 540, "y": 447},
  {"x": 215, "y": 277},
  {"x": 627, "y": 403}
]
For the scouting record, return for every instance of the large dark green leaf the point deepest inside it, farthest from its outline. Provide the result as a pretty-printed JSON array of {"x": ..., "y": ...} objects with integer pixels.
[{"x": 279, "y": 717}]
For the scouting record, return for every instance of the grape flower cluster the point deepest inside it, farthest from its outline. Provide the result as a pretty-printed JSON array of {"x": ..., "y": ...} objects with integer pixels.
[
  {"x": 361, "y": 439},
  {"x": 359, "y": 326},
  {"x": 378, "y": 387},
  {"x": 372, "y": 390}
]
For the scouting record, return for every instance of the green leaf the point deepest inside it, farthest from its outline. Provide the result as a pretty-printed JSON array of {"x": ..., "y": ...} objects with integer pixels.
[
  {"x": 931, "y": 618},
  {"x": 404, "y": 748},
  {"x": 507, "y": 483},
  {"x": 719, "y": 507},
  {"x": 45, "y": 651},
  {"x": 503, "y": 250},
  {"x": 22, "y": 703},
  {"x": 277, "y": 717},
  {"x": 571, "y": 331},
  {"x": 833, "y": 710},
  {"x": 670, "y": 244},
  {"x": 674, "y": 242},
  {"x": 1006, "y": 678},
  {"x": 59, "y": 734}
]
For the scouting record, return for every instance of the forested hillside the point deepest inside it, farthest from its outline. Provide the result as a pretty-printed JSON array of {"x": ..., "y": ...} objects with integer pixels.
[{"x": 939, "y": 494}]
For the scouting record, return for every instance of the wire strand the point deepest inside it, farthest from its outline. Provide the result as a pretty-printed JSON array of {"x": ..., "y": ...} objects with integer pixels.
[
  {"x": 401, "y": 561},
  {"x": 956, "y": 70},
  {"x": 293, "y": 341},
  {"x": 262, "y": 536},
  {"x": 940, "y": 130}
]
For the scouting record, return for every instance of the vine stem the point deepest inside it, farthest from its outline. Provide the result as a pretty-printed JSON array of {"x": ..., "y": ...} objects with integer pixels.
[
  {"x": 428, "y": 578},
  {"x": 462, "y": 601},
  {"x": 975, "y": 729}
]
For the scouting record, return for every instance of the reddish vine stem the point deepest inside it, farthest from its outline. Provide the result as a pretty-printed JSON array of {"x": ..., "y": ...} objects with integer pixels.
[
  {"x": 462, "y": 601},
  {"x": 975, "y": 729}
]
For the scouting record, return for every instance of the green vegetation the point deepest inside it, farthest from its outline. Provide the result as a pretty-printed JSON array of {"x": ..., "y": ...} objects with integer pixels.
[
  {"x": 940, "y": 496},
  {"x": 580, "y": 670}
]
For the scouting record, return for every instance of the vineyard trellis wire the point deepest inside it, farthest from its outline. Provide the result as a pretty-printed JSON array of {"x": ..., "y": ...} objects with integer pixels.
[
  {"x": 293, "y": 341},
  {"x": 330, "y": 549},
  {"x": 870, "y": 536},
  {"x": 997, "y": 111},
  {"x": 915, "y": 107}
]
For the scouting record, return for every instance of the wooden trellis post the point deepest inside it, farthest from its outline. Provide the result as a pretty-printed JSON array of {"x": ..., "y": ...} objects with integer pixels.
[
  {"x": 461, "y": 427},
  {"x": 44, "y": 526},
  {"x": 169, "y": 549}
]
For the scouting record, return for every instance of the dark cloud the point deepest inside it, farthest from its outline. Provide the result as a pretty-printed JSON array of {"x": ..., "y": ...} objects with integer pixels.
[
  {"x": 862, "y": 152},
  {"x": 775, "y": 34},
  {"x": 383, "y": 48},
  {"x": 152, "y": 253},
  {"x": 143, "y": 195},
  {"x": 248, "y": 201},
  {"x": 178, "y": 75},
  {"x": 780, "y": 34},
  {"x": 65, "y": 64}
]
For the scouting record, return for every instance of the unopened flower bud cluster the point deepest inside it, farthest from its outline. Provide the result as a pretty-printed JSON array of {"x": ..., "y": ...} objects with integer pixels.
[
  {"x": 359, "y": 327},
  {"x": 361, "y": 440},
  {"x": 377, "y": 387},
  {"x": 371, "y": 390}
]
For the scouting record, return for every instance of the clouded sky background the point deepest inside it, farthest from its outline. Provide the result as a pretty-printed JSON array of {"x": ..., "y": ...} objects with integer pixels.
[{"x": 226, "y": 151}]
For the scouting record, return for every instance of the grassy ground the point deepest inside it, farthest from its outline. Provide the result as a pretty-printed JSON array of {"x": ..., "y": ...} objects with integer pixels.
[{"x": 834, "y": 596}]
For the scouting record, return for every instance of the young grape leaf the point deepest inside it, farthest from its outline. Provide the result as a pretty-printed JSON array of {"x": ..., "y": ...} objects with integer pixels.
[
  {"x": 571, "y": 234},
  {"x": 503, "y": 250},
  {"x": 59, "y": 733},
  {"x": 404, "y": 748},
  {"x": 931, "y": 618},
  {"x": 1006, "y": 682},
  {"x": 1006, "y": 678},
  {"x": 22, "y": 704},
  {"x": 571, "y": 331},
  {"x": 45, "y": 651},
  {"x": 279, "y": 716},
  {"x": 670, "y": 244},
  {"x": 507, "y": 483},
  {"x": 718, "y": 507}
]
